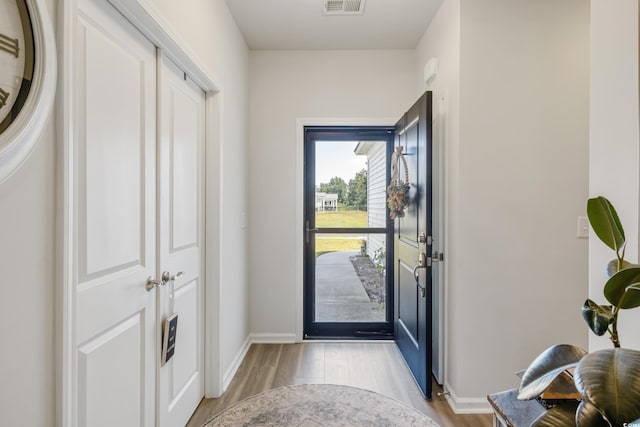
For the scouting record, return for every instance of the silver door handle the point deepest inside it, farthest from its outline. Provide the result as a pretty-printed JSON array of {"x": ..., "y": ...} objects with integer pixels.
[
  {"x": 168, "y": 277},
  {"x": 309, "y": 230},
  {"x": 152, "y": 283},
  {"x": 423, "y": 262},
  {"x": 423, "y": 290}
]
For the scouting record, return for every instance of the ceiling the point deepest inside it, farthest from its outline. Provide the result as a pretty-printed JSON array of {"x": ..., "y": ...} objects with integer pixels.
[{"x": 301, "y": 25}]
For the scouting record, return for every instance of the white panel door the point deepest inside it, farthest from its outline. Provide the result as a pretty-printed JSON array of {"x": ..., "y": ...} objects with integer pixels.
[
  {"x": 114, "y": 324},
  {"x": 181, "y": 241}
]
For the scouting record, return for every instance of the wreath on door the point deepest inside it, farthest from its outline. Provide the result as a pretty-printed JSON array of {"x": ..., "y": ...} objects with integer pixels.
[{"x": 398, "y": 190}]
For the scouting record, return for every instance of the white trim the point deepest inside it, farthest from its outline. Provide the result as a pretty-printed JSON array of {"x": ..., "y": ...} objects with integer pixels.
[
  {"x": 441, "y": 143},
  {"x": 237, "y": 361},
  {"x": 266, "y": 338},
  {"x": 20, "y": 138},
  {"x": 67, "y": 18},
  {"x": 299, "y": 235},
  {"x": 213, "y": 224},
  {"x": 148, "y": 22},
  {"x": 467, "y": 405}
]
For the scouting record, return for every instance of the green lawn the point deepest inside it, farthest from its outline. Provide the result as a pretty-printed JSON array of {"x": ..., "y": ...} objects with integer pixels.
[
  {"x": 341, "y": 219},
  {"x": 332, "y": 244},
  {"x": 329, "y": 243}
]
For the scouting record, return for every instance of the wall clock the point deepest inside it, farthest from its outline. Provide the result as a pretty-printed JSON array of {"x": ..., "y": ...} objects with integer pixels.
[{"x": 27, "y": 79}]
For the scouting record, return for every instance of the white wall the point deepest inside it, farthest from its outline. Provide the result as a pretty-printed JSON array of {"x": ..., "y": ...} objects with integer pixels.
[
  {"x": 27, "y": 215},
  {"x": 207, "y": 28},
  {"x": 614, "y": 163},
  {"x": 285, "y": 86},
  {"x": 517, "y": 181}
]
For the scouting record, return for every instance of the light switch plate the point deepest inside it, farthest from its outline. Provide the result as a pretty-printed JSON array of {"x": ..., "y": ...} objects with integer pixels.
[{"x": 583, "y": 227}]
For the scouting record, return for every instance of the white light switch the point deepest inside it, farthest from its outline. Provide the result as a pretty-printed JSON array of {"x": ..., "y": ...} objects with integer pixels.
[{"x": 583, "y": 227}]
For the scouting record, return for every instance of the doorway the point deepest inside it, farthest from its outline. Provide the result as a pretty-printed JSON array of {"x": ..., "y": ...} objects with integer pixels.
[{"x": 347, "y": 233}]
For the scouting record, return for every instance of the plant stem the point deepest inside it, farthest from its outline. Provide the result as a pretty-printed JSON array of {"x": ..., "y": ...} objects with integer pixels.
[{"x": 614, "y": 328}]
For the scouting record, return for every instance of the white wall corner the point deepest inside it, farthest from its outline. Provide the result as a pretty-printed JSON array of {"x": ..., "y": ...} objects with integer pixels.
[
  {"x": 467, "y": 405},
  {"x": 235, "y": 364}
]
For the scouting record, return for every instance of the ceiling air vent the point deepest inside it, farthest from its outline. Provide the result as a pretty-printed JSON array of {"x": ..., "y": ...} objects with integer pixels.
[{"x": 343, "y": 7}]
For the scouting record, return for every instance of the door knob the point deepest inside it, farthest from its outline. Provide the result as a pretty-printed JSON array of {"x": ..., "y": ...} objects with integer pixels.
[
  {"x": 168, "y": 277},
  {"x": 152, "y": 283}
]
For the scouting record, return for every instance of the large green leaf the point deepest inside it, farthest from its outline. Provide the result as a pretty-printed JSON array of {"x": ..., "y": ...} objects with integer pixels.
[
  {"x": 563, "y": 415},
  {"x": 588, "y": 416},
  {"x": 612, "y": 267},
  {"x": 610, "y": 381},
  {"x": 616, "y": 289},
  {"x": 546, "y": 367},
  {"x": 597, "y": 317},
  {"x": 605, "y": 222}
]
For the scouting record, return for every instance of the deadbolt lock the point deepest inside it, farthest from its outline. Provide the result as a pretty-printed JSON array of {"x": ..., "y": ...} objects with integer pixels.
[{"x": 424, "y": 239}]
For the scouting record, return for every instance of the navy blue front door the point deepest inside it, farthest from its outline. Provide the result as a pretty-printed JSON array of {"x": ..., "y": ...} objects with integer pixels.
[{"x": 412, "y": 242}]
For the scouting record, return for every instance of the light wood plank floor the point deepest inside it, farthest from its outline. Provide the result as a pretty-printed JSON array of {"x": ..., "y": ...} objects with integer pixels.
[{"x": 374, "y": 366}]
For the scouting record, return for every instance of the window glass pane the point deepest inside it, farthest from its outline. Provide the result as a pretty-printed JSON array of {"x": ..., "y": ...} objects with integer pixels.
[
  {"x": 350, "y": 278},
  {"x": 351, "y": 182}
]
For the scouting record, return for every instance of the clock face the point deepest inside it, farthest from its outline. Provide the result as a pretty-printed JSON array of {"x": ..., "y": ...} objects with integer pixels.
[{"x": 16, "y": 59}]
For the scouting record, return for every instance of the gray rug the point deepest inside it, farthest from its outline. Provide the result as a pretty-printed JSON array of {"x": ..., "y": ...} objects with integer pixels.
[{"x": 314, "y": 405}]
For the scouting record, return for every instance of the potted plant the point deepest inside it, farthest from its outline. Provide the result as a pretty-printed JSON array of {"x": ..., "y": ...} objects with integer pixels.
[{"x": 608, "y": 380}]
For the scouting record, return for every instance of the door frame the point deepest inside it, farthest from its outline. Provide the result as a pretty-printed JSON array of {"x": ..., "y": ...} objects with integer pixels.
[
  {"x": 148, "y": 22},
  {"x": 335, "y": 329},
  {"x": 301, "y": 123}
]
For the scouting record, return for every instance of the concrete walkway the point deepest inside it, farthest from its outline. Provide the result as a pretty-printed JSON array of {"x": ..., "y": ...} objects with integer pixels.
[{"x": 340, "y": 296}]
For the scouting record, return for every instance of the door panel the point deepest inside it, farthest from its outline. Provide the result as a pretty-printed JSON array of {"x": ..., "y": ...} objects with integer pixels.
[
  {"x": 409, "y": 224},
  {"x": 122, "y": 386},
  {"x": 115, "y": 132},
  {"x": 413, "y": 278},
  {"x": 406, "y": 300},
  {"x": 112, "y": 226},
  {"x": 181, "y": 240},
  {"x": 184, "y": 119}
]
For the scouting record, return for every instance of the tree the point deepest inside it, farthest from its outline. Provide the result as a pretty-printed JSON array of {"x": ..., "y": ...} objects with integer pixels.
[
  {"x": 358, "y": 190},
  {"x": 337, "y": 186}
]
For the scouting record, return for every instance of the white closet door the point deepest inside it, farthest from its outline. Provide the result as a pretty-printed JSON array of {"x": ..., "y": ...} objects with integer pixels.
[
  {"x": 115, "y": 233},
  {"x": 181, "y": 241}
]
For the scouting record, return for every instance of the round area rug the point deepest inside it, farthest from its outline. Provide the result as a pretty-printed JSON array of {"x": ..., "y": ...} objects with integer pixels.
[{"x": 313, "y": 405}]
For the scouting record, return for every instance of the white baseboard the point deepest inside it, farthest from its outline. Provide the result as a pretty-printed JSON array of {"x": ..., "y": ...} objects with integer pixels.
[
  {"x": 467, "y": 405},
  {"x": 253, "y": 339},
  {"x": 231, "y": 372},
  {"x": 263, "y": 338}
]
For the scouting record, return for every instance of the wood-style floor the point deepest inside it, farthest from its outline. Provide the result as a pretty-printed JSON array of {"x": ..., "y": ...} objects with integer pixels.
[{"x": 373, "y": 366}]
